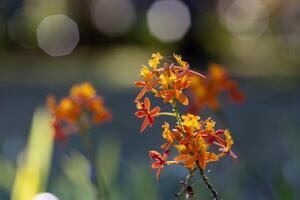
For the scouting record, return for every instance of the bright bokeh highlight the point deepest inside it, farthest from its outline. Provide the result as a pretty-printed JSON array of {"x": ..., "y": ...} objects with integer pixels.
[
  {"x": 113, "y": 17},
  {"x": 169, "y": 20},
  {"x": 45, "y": 196},
  {"x": 57, "y": 35},
  {"x": 244, "y": 19}
]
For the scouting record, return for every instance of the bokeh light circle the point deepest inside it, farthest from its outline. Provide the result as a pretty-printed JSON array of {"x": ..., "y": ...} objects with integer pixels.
[
  {"x": 57, "y": 35},
  {"x": 113, "y": 17},
  {"x": 45, "y": 196},
  {"x": 168, "y": 20},
  {"x": 244, "y": 19}
]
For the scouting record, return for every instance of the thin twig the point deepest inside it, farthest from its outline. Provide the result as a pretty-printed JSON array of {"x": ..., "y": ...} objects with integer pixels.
[
  {"x": 208, "y": 184},
  {"x": 186, "y": 186}
]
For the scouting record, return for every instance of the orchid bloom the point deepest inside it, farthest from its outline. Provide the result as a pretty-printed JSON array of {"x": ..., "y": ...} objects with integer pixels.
[
  {"x": 148, "y": 83},
  {"x": 196, "y": 141},
  {"x": 78, "y": 111},
  {"x": 160, "y": 161},
  {"x": 206, "y": 92},
  {"x": 144, "y": 111}
]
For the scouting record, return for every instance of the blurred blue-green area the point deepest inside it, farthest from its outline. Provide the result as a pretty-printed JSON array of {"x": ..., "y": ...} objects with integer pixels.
[{"x": 46, "y": 46}]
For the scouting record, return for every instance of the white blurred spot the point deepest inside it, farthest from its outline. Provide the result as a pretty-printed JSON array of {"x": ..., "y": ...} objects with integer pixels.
[
  {"x": 45, "y": 196},
  {"x": 57, "y": 35},
  {"x": 113, "y": 17},
  {"x": 244, "y": 19},
  {"x": 168, "y": 20}
]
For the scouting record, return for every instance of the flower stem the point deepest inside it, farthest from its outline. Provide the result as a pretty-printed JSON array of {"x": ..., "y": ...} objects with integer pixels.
[
  {"x": 166, "y": 114},
  {"x": 99, "y": 177},
  {"x": 208, "y": 184},
  {"x": 186, "y": 184},
  {"x": 177, "y": 115}
]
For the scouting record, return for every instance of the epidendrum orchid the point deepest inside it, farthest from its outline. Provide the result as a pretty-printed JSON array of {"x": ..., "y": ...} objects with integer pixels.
[
  {"x": 205, "y": 92},
  {"x": 77, "y": 112},
  {"x": 196, "y": 141}
]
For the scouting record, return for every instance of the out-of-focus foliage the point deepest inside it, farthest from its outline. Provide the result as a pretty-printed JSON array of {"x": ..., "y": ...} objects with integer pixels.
[
  {"x": 7, "y": 174},
  {"x": 34, "y": 163}
]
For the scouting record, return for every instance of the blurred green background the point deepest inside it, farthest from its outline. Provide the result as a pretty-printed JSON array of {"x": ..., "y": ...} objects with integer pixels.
[{"x": 46, "y": 46}]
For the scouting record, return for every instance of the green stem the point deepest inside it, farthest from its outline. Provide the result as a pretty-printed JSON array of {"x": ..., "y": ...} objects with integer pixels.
[
  {"x": 91, "y": 156},
  {"x": 208, "y": 184},
  {"x": 177, "y": 115},
  {"x": 166, "y": 114}
]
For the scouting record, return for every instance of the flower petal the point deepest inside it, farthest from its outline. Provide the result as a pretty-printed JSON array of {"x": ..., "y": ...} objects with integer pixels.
[
  {"x": 139, "y": 83},
  {"x": 144, "y": 125},
  {"x": 147, "y": 103},
  {"x": 155, "y": 155},
  {"x": 182, "y": 98},
  {"x": 141, "y": 94},
  {"x": 156, "y": 165},
  {"x": 181, "y": 157},
  {"x": 158, "y": 172},
  {"x": 154, "y": 112},
  {"x": 140, "y": 114}
]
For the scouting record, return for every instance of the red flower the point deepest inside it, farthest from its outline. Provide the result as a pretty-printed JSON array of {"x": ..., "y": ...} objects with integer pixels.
[
  {"x": 144, "y": 111},
  {"x": 160, "y": 161}
]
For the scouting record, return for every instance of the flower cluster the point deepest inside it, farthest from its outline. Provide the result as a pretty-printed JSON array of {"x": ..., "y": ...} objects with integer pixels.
[
  {"x": 195, "y": 141},
  {"x": 205, "y": 92},
  {"x": 167, "y": 81},
  {"x": 77, "y": 112}
]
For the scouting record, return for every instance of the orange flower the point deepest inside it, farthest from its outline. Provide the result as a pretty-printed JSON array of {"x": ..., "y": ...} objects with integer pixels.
[
  {"x": 67, "y": 109},
  {"x": 205, "y": 92},
  {"x": 196, "y": 141},
  {"x": 168, "y": 135},
  {"x": 197, "y": 154},
  {"x": 225, "y": 146},
  {"x": 144, "y": 111},
  {"x": 171, "y": 79},
  {"x": 78, "y": 111},
  {"x": 83, "y": 91},
  {"x": 155, "y": 60},
  {"x": 160, "y": 161},
  {"x": 148, "y": 83},
  {"x": 185, "y": 67},
  {"x": 97, "y": 107},
  {"x": 172, "y": 86}
]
